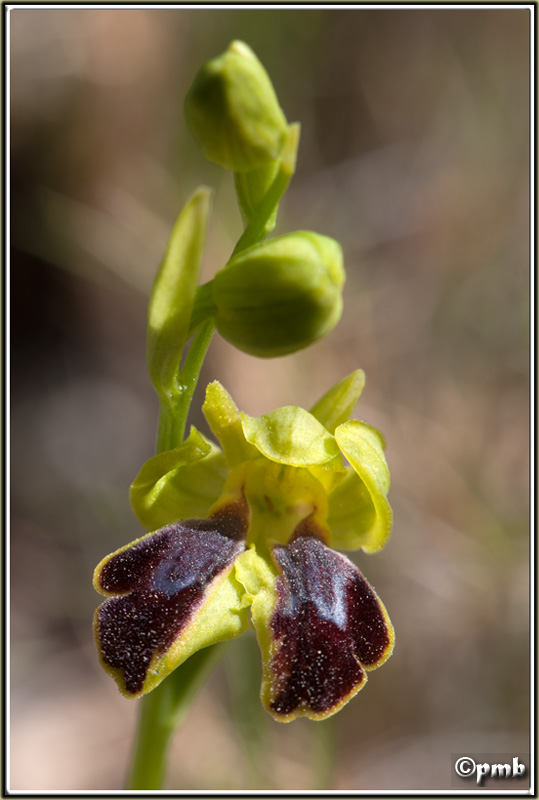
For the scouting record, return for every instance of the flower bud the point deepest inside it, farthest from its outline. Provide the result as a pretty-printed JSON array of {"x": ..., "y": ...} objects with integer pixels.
[
  {"x": 281, "y": 295},
  {"x": 233, "y": 112}
]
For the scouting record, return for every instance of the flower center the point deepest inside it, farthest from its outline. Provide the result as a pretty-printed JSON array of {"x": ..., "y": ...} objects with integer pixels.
[{"x": 280, "y": 496}]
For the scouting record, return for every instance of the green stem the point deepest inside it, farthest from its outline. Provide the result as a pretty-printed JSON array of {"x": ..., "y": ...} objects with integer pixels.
[
  {"x": 325, "y": 734},
  {"x": 190, "y": 372},
  {"x": 256, "y": 229},
  {"x": 173, "y": 414},
  {"x": 154, "y": 731},
  {"x": 162, "y": 710}
]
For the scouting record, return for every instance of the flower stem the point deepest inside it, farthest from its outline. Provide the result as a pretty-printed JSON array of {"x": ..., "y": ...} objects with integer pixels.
[
  {"x": 154, "y": 731},
  {"x": 162, "y": 710},
  {"x": 256, "y": 229},
  {"x": 173, "y": 414},
  {"x": 190, "y": 372}
]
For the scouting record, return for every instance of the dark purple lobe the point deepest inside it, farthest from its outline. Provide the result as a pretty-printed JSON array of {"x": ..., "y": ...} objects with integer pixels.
[
  {"x": 165, "y": 576},
  {"x": 327, "y": 624}
]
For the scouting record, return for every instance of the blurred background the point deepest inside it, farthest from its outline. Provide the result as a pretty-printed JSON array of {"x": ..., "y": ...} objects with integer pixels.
[{"x": 414, "y": 155}]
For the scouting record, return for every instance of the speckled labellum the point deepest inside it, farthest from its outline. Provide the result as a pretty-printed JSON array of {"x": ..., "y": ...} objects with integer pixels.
[
  {"x": 165, "y": 591},
  {"x": 328, "y": 627}
]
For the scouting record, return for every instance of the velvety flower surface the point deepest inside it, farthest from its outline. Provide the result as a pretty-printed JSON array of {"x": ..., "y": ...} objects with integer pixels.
[{"x": 246, "y": 530}]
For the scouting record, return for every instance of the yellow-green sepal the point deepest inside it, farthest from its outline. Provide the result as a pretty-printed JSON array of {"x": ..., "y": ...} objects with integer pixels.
[
  {"x": 173, "y": 293},
  {"x": 180, "y": 483},
  {"x": 224, "y": 419},
  {"x": 359, "y": 512},
  {"x": 291, "y": 436},
  {"x": 336, "y": 406}
]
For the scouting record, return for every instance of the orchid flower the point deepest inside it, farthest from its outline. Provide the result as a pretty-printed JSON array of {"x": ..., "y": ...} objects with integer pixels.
[{"x": 246, "y": 530}]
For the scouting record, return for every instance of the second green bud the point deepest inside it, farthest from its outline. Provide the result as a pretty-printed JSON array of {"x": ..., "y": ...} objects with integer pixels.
[{"x": 279, "y": 296}]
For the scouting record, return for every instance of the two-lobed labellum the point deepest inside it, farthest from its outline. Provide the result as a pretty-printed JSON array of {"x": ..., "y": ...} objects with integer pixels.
[
  {"x": 328, "y": 627},
  {"x": 320, "y": 624},
  {"x": 158, "y": 585}
]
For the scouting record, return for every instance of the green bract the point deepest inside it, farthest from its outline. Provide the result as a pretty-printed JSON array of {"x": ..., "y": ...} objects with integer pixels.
[
  {"x": 278, "y": 296},
  {"x": 173, "y": 294},
  {"x": 233, "y": 112},
  {"x": 270, "y": 503}
]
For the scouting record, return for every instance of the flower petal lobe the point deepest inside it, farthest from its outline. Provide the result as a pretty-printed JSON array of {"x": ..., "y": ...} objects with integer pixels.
[
  {"x": 163, "y": 580},
  {"x": 328, "y": 627}
]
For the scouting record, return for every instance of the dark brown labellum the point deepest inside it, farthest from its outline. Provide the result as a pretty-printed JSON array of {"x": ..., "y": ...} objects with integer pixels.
[
  {"x": 162, "y": 581},
  {"x": 328, "y": 625}
]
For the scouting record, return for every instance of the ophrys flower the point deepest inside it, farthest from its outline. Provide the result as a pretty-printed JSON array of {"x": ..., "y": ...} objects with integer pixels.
[{"x": 248, "y": 529}]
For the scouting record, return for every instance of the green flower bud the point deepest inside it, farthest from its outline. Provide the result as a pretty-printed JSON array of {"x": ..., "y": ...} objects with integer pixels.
[
  {"x": 233, "y": 112},
  {"x": 279, "y": 296}
]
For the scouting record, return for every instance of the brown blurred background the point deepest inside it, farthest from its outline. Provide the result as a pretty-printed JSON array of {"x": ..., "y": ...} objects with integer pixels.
[{"x": 415, "y": 155}]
